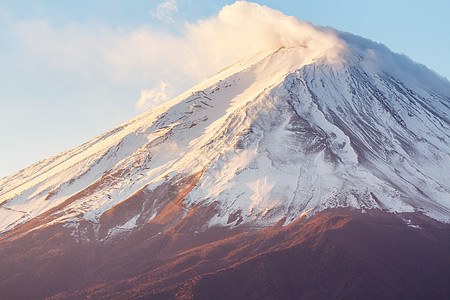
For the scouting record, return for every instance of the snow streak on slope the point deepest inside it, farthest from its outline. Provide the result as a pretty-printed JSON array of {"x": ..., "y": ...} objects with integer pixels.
[
  {"x": 145, "y": 149},
  {"x": 287, "y": 131},
  {"x": 332, "y": 137}
]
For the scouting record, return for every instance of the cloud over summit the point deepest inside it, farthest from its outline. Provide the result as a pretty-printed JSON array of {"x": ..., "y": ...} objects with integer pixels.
[
  {"x": 243, "y": 29},
  {"x": 146, "y": 57}
]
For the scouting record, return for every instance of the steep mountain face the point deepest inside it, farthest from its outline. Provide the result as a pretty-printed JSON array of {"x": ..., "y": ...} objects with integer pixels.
[
  {"x": 288, "y": 133},
  {"x": 280, "y": 134}
]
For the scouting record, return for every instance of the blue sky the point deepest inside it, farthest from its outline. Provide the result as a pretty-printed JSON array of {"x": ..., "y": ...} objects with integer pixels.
[{"x": 70, "y": 70}]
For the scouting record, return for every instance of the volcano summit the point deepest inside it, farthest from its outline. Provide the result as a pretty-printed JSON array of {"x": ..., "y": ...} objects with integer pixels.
[{"x": 315, "y": 169}]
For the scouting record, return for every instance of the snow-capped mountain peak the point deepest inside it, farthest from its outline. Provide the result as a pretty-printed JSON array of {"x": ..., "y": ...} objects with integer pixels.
[{"x": 286, "y": 132}]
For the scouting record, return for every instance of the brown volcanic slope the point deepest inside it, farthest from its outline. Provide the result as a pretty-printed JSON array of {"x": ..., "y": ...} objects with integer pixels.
[{"x": 332, "y": 255}]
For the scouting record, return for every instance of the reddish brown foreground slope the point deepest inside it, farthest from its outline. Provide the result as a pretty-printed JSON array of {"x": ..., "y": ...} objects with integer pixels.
[{"x": 337, "y": 254}]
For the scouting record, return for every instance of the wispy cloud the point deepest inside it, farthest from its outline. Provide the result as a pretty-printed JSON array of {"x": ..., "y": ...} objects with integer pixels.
[
  {"x": 144, "y": 56},
  {"x": 153, "y": 97},
  {"x": 165, "y": 10}
]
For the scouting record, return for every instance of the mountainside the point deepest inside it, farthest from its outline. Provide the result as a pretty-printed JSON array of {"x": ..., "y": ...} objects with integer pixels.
[
  {"x": 289, "y": 133},
  {"x": 279, "y": 134},
  {"x": 335, "y": 254}
]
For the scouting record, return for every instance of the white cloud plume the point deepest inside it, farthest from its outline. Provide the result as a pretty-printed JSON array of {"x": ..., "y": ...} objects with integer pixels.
[
  {"x": 144, "y": 56},
  {"x": 244, "y": 28},
  {"x": 153, "y": 97},
  {"x": 164, "y": 11}
]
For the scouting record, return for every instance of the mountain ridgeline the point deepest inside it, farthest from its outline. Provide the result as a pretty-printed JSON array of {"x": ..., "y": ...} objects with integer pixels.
[{"x": 329, "y": 161}]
